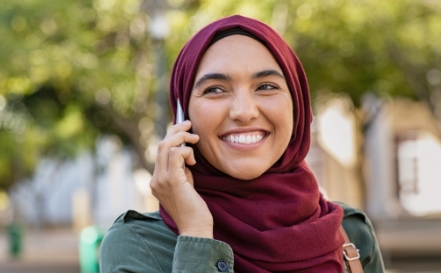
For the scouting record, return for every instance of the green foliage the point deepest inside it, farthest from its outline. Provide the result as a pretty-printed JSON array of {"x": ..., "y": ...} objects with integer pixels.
[{"x": 65, "y": 65}]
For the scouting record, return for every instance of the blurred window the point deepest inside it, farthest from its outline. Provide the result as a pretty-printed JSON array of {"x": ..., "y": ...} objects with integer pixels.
[
  {"x": 418, "y": 172},
  {"x": 407, "y": 157}
]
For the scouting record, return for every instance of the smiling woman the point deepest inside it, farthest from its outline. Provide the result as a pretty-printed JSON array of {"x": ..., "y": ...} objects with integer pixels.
[
  {"x": 246, "y": 200},
  {"x": 235, "y": 109}
]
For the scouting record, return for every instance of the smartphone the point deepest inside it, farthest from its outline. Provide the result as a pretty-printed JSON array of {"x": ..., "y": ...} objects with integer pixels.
[{"x": 179, "y": 116}]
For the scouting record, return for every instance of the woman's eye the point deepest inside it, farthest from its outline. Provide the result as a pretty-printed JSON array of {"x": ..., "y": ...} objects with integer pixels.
[
  {"x": 213, "y": 90},
  {"x": 267, "y": 86}
]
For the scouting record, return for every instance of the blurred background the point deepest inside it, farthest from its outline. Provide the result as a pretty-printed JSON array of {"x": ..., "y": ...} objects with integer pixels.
[{"x": 84, "y": 102}]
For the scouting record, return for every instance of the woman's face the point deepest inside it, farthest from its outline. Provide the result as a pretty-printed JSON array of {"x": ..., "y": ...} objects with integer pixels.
[{"x": 241, "y": 107}]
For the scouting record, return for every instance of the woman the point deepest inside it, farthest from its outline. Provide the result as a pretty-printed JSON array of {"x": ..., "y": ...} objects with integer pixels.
[{"x": 245, "y": 201}]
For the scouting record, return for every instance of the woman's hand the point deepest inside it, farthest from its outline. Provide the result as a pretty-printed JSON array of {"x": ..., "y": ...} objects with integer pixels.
[{"x": 173, "y": 185}]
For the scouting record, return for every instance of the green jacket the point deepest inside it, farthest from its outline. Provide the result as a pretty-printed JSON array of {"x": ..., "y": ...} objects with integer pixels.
[{"x": 143, "y": 243}]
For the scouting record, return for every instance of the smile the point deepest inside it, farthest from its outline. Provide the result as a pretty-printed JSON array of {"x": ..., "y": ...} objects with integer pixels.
[{"x": 248, "y": 138}]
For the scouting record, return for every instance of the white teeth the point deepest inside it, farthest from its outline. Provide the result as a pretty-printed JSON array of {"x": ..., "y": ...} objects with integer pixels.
[{"x": 244, "y": 139}]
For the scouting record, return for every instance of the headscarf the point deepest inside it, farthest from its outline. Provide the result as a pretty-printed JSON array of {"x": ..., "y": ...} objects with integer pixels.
[{"x": 278, "y": 222}]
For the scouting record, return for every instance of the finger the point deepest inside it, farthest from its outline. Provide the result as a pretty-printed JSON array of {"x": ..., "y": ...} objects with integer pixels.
[
  {"x": 170, "y": 142},
  {"x": 176, "y": 172},
  {"x": 179, "y": 155},
  {"x": 190, "y": 159},
  {"x": 181, "y": 137},
  {"x": 184, "y": 126}
]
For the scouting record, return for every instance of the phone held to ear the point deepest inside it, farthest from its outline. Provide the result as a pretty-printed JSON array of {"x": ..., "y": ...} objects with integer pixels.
[
  {"x": 180, "y": 119},
  {"x": 179, "y": 116}
]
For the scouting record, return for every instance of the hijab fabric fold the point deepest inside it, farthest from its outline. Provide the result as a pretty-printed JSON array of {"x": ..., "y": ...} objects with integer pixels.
[{"x": 278, "y": 222}]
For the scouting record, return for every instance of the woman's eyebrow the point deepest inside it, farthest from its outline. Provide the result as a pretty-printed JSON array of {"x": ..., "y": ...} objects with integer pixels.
[
  {"x": 266, "y": 73},
  {"x": 212, "y": 76}
]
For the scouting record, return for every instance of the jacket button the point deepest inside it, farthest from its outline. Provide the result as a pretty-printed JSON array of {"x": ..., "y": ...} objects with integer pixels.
[{"x": 222, "y": 266}]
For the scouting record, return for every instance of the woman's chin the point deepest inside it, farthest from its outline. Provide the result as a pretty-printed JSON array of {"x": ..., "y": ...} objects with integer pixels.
[{"x": 245, "y": 175}]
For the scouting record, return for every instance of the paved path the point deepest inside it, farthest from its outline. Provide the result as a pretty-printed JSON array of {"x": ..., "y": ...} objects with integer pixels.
[
  {"x": 54, "y": 251},
  {"x": 414, "y": 265},
  {"x": 410, "y": 237}
]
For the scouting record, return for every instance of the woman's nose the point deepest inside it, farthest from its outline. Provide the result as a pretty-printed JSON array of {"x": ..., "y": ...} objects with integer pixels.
[{"x": 244, "y": 108}]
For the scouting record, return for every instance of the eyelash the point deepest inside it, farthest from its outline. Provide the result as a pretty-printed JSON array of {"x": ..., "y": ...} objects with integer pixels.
[
  {"x": 264, "y": 86},
  {"x": 272, "y": 86},
  {"x": 212, "y": 89}
]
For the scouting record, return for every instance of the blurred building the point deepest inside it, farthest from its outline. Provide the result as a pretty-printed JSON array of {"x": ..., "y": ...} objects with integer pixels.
[
  {"x": 403, "y": 170},
  {"x": 335, "y": 156},
  {"x": 93, "y": 189},
  {"x": 386, "y": 161},
  {"x": 392, "y": 169}
]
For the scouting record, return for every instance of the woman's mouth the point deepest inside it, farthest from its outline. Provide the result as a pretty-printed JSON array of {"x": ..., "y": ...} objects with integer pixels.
[{"x": 245, "y": 138}]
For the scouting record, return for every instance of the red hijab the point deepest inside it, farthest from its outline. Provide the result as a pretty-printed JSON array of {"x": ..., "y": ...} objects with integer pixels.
[{"x": 278, "y": 222}]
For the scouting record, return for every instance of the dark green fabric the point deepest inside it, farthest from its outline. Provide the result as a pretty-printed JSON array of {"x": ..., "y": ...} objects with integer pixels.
[
  {"x": 142, "y": 243},
  {"x": 361, "y": 233}
]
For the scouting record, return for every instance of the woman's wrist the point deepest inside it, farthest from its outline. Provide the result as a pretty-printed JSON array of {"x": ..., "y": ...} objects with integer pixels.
[{"x": 206, "y": 232}]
